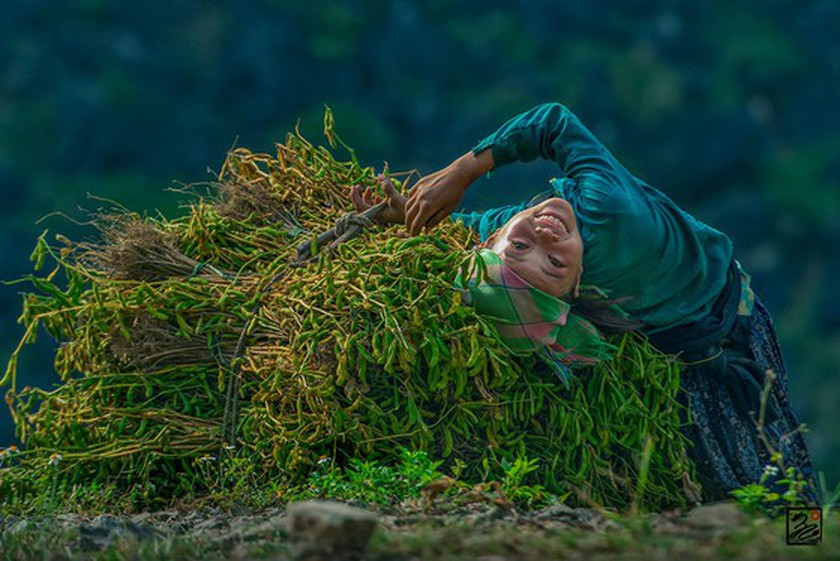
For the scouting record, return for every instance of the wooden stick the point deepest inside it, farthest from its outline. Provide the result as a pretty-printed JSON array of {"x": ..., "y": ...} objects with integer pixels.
[{"x": 373, "y": 213}]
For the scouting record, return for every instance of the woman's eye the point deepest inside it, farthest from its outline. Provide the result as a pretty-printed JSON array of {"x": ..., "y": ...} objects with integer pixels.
[
  {"x": 555, "y": 262},
  {"x": 518, "y": 245}
]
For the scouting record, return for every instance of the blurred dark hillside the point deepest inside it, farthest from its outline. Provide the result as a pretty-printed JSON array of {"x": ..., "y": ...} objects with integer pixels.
[{"x": 729, "y": 107}]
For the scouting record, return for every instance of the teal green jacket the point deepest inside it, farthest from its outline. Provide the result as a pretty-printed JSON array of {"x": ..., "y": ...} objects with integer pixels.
[{"x": 637, "y": 242}]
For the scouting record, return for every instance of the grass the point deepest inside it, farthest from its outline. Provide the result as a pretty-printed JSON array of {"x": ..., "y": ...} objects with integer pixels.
[
  {"x": 757, "y": 540},
  {"x": 422, "y": 513},
  {"x": 154, "y": 376},
  {"x": 442, "y": 540},
  {"x": 179, "y": 336}
]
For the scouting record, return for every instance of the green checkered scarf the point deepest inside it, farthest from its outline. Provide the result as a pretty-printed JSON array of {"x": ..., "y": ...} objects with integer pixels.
[{"x": 528, "y": 319}]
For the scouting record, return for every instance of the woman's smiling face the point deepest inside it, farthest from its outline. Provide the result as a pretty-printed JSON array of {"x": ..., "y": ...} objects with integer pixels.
[{"x": 543, "y": 245}]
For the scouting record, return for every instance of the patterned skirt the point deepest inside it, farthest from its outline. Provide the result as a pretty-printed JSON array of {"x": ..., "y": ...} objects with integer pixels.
[{"x": 727, "y": 448}]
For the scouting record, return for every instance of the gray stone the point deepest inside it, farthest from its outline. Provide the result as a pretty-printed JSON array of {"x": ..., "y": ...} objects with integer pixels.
[
  {"x": 269, "y": 526},
  {"x": 558, "y": 512},
  {"x": 213, "y": 524},
  {"x": 578, "y": 517},
  {"x": 328, "y": 527},
  {"x": 105, "y": 530},
  {"x": 15, "y": 525},
  {"x": 491, "y": 515},
  {"x": 721, "y": 515},
  {"x": 141, "y": 517}
]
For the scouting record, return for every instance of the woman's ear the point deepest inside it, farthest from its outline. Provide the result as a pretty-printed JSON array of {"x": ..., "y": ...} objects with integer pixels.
[
  {"x": 577, "y": 283},
  {"x": 488, "y": 243}
]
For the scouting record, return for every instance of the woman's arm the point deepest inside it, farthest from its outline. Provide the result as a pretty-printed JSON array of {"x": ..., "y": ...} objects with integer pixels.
[
  {"x": 552, "y": 132},
  {"x": 436, "y": 195},
  {"x": 549, "y": 131}
]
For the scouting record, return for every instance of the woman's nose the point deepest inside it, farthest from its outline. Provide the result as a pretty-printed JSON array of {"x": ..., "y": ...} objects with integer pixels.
[{"x": 546, "y": 233}]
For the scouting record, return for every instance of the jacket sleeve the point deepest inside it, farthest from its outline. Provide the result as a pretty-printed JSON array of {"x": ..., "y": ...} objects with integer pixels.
[
  {"x": 488, "y": 221},
  {"x": 549, "y": 131}
]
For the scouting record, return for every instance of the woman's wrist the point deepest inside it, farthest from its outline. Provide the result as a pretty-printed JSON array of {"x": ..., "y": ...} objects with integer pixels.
[{"x": 474, "y": 166}]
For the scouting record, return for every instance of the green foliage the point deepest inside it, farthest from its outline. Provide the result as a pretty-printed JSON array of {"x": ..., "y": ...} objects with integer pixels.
[
  {"x": 371, "y": 482},
  {"x": 758, "y": 496},
  {"x": 667, "y": 88},
  {"x": 761, "y": 497},
  {"x": 180, "y": 336},
  {"x": 47, "y": 490},
  {"x": 232, "y": 478},
  {"x": 513, "y": 482},
  {"x": 767, "y": 495}
]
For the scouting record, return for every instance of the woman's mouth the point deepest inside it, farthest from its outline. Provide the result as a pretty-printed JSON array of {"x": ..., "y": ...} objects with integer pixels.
[{"x": 552, "y": 221}]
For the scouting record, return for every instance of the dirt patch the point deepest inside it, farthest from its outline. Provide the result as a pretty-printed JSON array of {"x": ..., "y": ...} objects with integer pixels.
[{"x": 486, "y": 532}]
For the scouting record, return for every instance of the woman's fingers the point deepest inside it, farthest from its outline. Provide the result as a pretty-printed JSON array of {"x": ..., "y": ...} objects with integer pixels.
[
  {"x": 411, "y": 203},
  {"x": 414, "y": 220},
  {"x": 435, "y": 219},
  {"x": 364, "y": 199},
  {"x": 415, "y": 213},
  {"x": 421, "y": 217},
  {"x": 356, "y": 197},
  {"x": 410, "y": 212},
  {"x": 395, "y": 198}
]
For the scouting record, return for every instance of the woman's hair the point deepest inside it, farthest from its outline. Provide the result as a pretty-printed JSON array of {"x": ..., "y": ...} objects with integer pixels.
[
  {"x": 594, "y": 307},
  {"x": 602, "y": 313}
]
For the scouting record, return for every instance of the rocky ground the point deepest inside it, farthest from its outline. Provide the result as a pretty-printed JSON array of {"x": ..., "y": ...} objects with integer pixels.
[{"x": 324, "y": 530}]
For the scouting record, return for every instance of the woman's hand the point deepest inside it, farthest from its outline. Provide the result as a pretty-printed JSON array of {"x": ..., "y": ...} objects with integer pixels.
[
  {"x": 436, "y": 195},
  {"x": 394, "y": 213}
]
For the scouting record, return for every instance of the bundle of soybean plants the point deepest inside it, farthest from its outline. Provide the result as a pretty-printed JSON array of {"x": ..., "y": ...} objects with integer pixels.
[{"x": 182, "y": 339}]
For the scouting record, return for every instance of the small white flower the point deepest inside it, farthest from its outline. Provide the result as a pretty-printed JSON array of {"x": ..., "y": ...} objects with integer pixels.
[
  {"x": 323, "y": 460},
  {"x": 771, "y": 470},
  {"x": 7, "y": 452},
  {"x": 55, "y": 458},
  {"x": 230, "y": 446}
]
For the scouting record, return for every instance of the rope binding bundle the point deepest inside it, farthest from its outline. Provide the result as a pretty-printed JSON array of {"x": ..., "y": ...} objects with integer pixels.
[{"x": 350, "y": 225}]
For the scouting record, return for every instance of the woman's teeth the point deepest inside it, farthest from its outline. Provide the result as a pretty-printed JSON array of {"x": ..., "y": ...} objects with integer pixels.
[{"x": 553, "y": 220}]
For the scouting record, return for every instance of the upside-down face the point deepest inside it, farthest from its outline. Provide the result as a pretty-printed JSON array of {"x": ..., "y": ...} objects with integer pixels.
[{"x": 542, "y": 245}]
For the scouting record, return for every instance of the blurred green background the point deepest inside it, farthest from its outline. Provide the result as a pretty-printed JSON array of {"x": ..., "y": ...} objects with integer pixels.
[{"x": 731, "y": 108}]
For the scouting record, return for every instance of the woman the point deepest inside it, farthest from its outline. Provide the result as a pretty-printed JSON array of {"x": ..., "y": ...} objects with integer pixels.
[{"x": 673, "y": 275}]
